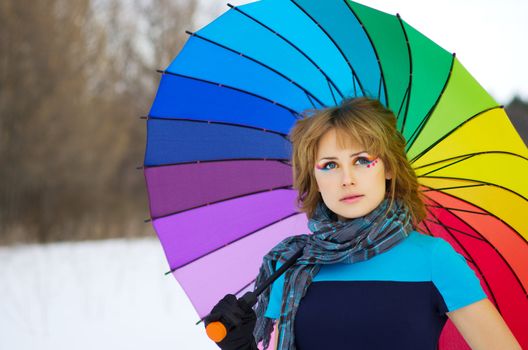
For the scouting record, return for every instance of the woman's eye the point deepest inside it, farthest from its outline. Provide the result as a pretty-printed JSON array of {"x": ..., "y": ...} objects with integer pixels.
[
  {"x": 326, "y": 164},
  {"x": 363, "y": 161}
]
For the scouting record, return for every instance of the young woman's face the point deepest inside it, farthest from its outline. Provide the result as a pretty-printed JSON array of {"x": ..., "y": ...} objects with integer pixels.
[{"x": 349, "y": 172}]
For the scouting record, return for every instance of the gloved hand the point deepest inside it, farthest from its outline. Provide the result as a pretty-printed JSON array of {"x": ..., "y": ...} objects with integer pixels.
[{"x": 239, "y": 319}]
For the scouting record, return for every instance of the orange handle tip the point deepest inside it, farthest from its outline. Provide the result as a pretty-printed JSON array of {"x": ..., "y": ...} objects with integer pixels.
[{"x": 216, "y": 331}]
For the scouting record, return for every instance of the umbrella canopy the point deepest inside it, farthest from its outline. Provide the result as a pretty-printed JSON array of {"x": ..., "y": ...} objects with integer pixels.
[{"x": 217, "y": 157}]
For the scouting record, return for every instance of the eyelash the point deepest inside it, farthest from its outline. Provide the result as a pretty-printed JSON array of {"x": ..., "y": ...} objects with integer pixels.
[{"x": 359, "y": 158}]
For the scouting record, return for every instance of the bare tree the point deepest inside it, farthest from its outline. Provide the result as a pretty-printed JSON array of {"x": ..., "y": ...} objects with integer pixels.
[
  {"x": 42, "y": 89},
  {"x": 74, "y": 77}
]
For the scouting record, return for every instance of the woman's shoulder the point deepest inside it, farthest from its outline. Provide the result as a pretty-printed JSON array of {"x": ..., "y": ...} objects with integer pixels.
[
  {"x": 424, "y": 241},
  {"x": 419, "y": 245},
  {"x": 437, "y": 248}
]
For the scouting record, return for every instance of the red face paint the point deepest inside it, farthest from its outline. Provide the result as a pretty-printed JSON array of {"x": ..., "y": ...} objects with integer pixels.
[{"x": 373, "y": 163}]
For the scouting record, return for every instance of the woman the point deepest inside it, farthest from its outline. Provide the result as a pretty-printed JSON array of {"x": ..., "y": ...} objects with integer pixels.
[{"x": 366, "y": 279}]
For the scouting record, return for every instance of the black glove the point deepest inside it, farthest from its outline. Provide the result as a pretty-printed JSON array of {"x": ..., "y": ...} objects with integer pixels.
[{"x": 239, "y": 320}]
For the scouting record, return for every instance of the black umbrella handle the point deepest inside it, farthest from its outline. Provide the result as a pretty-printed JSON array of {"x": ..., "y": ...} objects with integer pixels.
[
  {"x": 250, "y": 298},
  {"x": 217, "y": 331}
]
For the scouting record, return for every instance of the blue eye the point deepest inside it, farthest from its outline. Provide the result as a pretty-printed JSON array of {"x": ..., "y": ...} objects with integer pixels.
[
  {"x": 363, "y": 161},
  {"x": 324, "y": 166}
]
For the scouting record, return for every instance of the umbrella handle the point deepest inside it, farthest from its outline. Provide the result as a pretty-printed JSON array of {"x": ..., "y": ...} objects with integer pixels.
[{"x": 217, "y": 331}]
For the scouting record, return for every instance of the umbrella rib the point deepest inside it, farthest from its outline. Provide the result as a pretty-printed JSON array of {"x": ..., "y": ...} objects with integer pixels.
[
  {"x": 330, "y": 81},
  {"x": 424, "y": 121},
  {"x": 407, "y": 96},
  {"x": 244, "y": 287},
  {"x": 457, "y": 209},
  {"x": 259, "y": 63},
  {"x": 440, "y": 189},
  {"x": 287, "y": 187},
  {"x": 382, "y": 76},
  {"x": 236, "y": 293},
  {"x": 429, "y": 232},
  {"x": 472, "y": 228},
  {"x": 469, "y": 155},
  {"x": 476, "y": 231},
  {"x": 292, "y": 111},
  {"x": 484, "y": 210},
  {"x": 332, "y": 92},
  {"x": 477, "y": 181},
  {"x": 447, "y": 229},
  {"x": 455, "y": 229},
  {"x": 463, "y": 158},
  {"x": 220, "y": 123},
  {"x": 380, "y": 85},
  {"x": 431, "y": 146},
  {"x": 443, "y": 160},
  {"x": 234, "y": 241},
  {"x": 485, "y": 240},
  {"x": 354, "y": 74},
  {"x": 311, "y": 101}
]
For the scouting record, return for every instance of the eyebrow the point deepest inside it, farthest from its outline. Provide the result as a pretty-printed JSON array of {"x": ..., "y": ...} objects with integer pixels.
[{"x": 352, "y": 155}]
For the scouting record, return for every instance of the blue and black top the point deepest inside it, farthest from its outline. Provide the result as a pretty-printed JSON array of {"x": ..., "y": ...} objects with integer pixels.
[{"x": 396, "y": 300}]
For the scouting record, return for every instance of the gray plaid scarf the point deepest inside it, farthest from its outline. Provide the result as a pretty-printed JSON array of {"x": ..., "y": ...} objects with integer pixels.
[{"x": 331, "y": 242}]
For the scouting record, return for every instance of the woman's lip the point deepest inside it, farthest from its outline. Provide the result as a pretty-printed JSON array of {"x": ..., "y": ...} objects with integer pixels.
[{"x": 351, "y": 198}]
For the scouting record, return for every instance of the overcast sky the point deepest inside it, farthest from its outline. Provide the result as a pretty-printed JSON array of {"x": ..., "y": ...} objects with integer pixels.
[{"x": 488, "y": 36}]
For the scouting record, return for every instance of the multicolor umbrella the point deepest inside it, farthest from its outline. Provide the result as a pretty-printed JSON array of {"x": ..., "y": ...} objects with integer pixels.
[{"x": 217, "y": 158}]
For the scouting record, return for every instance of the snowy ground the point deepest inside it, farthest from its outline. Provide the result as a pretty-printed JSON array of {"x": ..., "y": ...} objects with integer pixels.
[{"x": 94, "y": 295}]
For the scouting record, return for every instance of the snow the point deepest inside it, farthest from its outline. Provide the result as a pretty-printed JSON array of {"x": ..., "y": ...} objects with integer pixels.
[{"x": 94, "y": 295}]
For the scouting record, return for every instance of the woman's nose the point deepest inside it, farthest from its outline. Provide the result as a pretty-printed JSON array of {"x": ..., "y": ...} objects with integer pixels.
[{"x": 348, "y": 178}]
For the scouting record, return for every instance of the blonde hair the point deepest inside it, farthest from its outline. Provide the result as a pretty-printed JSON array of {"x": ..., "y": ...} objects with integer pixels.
[{"x": 370, "y": 124}]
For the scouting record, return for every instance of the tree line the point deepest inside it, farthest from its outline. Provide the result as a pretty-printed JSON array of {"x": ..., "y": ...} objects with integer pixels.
[{"x": 75, "y": 75}]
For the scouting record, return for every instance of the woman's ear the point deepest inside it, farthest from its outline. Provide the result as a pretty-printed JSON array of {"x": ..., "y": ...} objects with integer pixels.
[{"x": 388, "y": 175}]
